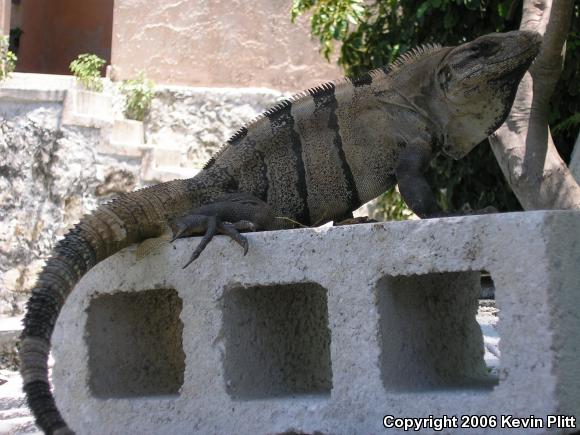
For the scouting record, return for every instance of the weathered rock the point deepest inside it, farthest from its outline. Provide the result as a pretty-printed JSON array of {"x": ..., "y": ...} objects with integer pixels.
[
  {"x": 199, "y": 120},
  {"x": 48, "y": 179},
  {"x": 51, "y": 172}
]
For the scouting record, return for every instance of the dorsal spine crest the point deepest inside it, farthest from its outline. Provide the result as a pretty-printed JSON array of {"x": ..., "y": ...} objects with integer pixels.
[{"x": 364, "y": 79}]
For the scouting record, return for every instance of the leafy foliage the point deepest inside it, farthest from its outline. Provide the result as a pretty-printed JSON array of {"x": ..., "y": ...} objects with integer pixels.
[
  {"x": 138, "y": 96},
  {"x": 372, "y": 33},
  {"x": 390, "y": 206},
  {"x": 7, "y": 59},
  {"x": 87, "y": 69}
]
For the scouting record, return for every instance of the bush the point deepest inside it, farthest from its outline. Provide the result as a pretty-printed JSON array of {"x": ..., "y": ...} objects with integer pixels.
[
  {"x": 87, "y": 70},
  {"x": 138, "y": 96},
  {"x": 7, "y": 59}
]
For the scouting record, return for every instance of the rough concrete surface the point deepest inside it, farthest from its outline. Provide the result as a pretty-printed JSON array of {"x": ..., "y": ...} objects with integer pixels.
[
  {"x": 392, "y": 305},
  {"x": 15, "y": 417}
]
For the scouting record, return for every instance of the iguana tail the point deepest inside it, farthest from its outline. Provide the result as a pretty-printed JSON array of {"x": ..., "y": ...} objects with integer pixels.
[{"x": 113, "y": 226}]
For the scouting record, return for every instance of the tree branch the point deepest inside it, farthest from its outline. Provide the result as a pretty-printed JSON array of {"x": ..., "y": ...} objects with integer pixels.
[{"x": 523, "y": 145}]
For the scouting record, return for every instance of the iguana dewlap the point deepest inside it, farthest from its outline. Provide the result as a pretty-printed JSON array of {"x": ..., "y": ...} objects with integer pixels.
[{"x": 313, "y": 158}]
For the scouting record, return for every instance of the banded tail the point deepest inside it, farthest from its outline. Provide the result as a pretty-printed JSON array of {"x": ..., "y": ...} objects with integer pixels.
[{"x": 113, "y": 226}]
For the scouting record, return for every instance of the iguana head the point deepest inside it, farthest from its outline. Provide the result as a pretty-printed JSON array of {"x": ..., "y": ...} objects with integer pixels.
[{"x": 476, "y": 84}]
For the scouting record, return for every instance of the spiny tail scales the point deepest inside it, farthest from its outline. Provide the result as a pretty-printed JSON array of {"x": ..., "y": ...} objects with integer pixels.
[{"x": 113, "y": 226}]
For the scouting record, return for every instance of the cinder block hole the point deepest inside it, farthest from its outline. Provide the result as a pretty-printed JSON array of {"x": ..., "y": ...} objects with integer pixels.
[
  {"x": 429, "y": 336},
  {"x": 488, "y": 318},
  {"x": 487, "y": 286},
  {"x": 277, "y": 341},
  {"x": 135, "y": 344}
]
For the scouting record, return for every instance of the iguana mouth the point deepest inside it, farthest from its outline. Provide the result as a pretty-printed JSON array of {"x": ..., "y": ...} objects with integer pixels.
[{"x": 515, "y": 71}]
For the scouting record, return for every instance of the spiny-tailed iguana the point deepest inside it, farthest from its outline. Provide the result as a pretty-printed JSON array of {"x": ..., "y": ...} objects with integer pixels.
[{"x": 312, "y": 158}]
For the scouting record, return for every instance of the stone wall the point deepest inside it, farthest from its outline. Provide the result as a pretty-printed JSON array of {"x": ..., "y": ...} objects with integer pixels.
[
  {"x": 50, "y": 175},
  {"x": 54, "y": 170},
  {"x": 197, "y": 121},
  {"x": 45, "y": 176}
]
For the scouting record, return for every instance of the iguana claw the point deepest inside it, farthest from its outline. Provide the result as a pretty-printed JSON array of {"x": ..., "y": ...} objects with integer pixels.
[
  {"x": 231, "y": 230},
  {"x": 227, "y": 217},
  {"x": 195, "y": 224}
]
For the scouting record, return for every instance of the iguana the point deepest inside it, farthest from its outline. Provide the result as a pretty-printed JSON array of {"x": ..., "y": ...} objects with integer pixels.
[{"x": 311, "y": 159}]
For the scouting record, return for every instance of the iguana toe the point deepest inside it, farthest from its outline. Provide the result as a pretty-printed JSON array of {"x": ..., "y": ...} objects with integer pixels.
[
  {"x": 228, "y": 216},
  {"x": 231, "y": 230},
  {"x": 189, "y": 225},
  {"x": 211, "y": 225}
]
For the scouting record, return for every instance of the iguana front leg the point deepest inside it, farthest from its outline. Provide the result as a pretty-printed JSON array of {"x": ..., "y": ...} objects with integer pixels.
[
  {"x": 415, "y": 190},
  {"x": 413, "y": 186},
  {"x": 229, "y": 215}
]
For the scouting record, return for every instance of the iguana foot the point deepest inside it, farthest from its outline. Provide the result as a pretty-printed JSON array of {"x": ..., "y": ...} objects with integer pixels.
[
  {"x": 210, "y": 226},
  {"x": 229, "y": 216}
]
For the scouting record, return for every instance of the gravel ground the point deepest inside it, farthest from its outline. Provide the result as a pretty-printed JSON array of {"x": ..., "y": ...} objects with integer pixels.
[{"x": 15, "y": 418}]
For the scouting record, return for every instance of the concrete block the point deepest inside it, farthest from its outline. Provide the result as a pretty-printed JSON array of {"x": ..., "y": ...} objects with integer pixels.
[
  {"x": 328, "y": 330},
  {"x": 123, "y": 138},
  {"x": 32, "y": 95},
  {"x": 88, "y": 109},
  {"x": 128, "y": 132},
  {"x": 107, "y": 147},
  {"x": 18, "y": 80},
  {"x": 168, "y": 157},
  {"x": 162, "y": 164},
  {"x": 35, "y": 88}
]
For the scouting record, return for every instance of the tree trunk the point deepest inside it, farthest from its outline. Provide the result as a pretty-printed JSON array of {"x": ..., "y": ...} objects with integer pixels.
[{"x": 523, "y": 145}]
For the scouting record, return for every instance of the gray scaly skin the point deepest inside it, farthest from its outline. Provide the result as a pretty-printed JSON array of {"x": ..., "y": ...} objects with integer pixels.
[{"x": 313, "y": 158}]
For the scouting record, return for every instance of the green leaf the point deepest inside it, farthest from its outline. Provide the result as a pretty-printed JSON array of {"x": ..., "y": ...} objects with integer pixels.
[
  {"x": 7, "y": 59},
  {"x": 422, "y": 9},
  {"x": 138, "y": 94},
  {"x": 87, "y": 69},
  {"x": 568, "y": 123}
]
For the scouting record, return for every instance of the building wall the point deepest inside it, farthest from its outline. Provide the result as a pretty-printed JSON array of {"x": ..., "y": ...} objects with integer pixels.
[
  {"x": 55, "y": 32},
  {"x": 5, "y": 17},
  {"x": 230, "y": 43}
]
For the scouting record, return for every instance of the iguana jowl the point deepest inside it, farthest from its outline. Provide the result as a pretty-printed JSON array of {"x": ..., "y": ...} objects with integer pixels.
[{"x": 312, "y": 159}]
